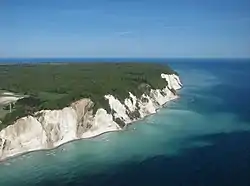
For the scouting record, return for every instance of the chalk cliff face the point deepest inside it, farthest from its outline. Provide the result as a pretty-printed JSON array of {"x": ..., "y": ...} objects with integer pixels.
[{"x": 51, "y": 128}]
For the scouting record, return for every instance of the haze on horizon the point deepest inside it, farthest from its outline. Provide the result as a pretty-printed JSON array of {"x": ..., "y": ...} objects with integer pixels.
[{"x": 125, "y": 28}]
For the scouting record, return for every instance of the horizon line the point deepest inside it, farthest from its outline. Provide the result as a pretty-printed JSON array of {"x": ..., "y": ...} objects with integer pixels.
[{"x": 9, "y": 58}]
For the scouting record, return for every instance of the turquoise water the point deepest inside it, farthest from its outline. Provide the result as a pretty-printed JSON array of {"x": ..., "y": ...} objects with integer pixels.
[{"x": 203, "y": 138}]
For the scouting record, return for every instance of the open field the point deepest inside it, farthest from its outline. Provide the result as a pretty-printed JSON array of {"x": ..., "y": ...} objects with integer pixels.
[{"x": 5, "y": 99}]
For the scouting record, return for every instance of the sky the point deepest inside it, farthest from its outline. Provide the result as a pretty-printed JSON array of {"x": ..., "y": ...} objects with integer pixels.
[{"x": 125, "y": 28}]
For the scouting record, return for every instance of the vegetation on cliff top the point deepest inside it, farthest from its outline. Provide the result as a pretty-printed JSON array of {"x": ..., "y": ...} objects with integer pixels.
[{"x": 56, "y": 85}]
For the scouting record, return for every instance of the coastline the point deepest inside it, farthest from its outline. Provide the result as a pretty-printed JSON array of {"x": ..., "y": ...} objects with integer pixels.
[
  {"x": 3, "y": 160},
  {"x": 54, "y": 128}
]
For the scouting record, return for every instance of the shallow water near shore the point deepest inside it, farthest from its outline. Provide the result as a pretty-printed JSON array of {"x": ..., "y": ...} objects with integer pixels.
[{"x": 202, "y": 138}]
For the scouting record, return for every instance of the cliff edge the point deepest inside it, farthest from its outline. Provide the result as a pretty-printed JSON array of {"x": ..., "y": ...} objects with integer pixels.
[{"x": 50, "y": 128}]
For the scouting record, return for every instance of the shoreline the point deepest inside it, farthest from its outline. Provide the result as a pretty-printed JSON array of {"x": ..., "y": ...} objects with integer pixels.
[{"x": 2, "y": 161}]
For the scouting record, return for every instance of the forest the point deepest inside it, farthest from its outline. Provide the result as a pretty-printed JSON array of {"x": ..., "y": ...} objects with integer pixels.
[{"x": 57, "y": 85}]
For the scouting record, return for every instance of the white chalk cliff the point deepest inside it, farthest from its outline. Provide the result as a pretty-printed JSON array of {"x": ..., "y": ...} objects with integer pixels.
[{"x": 51, "y": 128}]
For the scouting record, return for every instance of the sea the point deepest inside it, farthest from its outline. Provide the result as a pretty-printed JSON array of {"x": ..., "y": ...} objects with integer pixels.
[{"x": 200, "y": 139}]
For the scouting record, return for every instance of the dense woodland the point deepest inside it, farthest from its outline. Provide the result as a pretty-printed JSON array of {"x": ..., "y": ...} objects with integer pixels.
[{"x": 56, "y": 85}]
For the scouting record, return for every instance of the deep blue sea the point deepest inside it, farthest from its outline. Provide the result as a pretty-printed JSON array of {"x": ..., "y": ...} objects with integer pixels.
[{"x": 200, "y": 139}]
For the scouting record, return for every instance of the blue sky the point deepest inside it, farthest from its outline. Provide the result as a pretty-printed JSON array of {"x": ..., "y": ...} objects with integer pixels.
[{"x": 125, "y": 28}]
